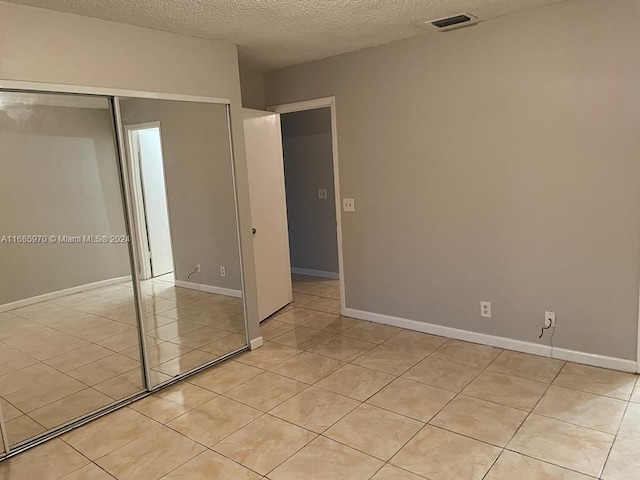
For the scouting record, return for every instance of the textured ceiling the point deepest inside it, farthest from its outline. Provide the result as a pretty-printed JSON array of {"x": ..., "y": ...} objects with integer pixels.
[{"x": 275, "y": 33}]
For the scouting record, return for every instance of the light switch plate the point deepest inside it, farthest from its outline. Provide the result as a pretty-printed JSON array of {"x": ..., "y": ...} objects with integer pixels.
[
  {"x": 322, "y": 193},
  {"x": 348, "y": 204}
]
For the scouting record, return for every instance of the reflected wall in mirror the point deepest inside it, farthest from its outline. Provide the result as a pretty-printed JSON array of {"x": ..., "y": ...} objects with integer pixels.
[
  {"x": 68, "y": 327},
  {"x": 182, "y": 182}
]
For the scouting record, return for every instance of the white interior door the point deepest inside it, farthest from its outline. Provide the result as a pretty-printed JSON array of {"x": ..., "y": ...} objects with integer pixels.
[
  {"x": 268, "y": 210},
  {"x": 155, "y": 201}
]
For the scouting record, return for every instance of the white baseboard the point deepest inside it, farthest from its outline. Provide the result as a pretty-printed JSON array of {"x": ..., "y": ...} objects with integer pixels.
[
  {"x": 62, "y": 293},
  {"x": 209, "y": 288},
  {"x": 500, "y": 342},
  {"x": 315, "y": 273},
  {"x": 256, "y": 343}
]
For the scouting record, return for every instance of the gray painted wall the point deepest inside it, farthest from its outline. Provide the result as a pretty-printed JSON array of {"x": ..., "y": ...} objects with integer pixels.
[
  {"x": 199, "y": 182},
  {"x": 252, "y": 87},
  {"x": 58, "y": 176},
  {"x": 308, "y": 166},
  {"x": 498, "y": 162}
]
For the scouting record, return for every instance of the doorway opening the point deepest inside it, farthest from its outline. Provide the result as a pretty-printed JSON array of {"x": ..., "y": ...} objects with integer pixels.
[
  {"x": 309, "y": 143},
  {"x": 309, "y": 186},
  {"x": 311, "y": 212},
  {"x": 150, "y": 200}
]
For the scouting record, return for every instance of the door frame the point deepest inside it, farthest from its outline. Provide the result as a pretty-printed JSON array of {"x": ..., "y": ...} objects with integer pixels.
[
  {"x": 140, "y": 217},
  {"x": 314, "y": 105}
]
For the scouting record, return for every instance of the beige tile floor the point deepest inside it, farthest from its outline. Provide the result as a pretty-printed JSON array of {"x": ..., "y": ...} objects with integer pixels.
[
  {"x": 72, "y": 355},
  {"x": 331, "y": 397}
]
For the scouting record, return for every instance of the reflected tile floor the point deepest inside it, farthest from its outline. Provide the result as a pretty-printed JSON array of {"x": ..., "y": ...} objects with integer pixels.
[
  {"x": 69, "y": 356},
  {"x": 333, "y": 397}
]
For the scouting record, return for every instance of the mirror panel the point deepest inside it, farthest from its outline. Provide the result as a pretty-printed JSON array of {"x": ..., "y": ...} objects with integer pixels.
[
  {"x": 69, "y": 339},
  {"x": 182, "y": 184},
  {"x": 3, "y": 433}
]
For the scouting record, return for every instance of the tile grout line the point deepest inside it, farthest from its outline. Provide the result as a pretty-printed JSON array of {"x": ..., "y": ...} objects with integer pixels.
[
  {"x": 506, "y": 448},
  {"x": 338, "y": 420},
  {"x": 210, "y": 448},
  {"x": 442, "y": 408},
  {"x": 396, "y": 376},
  {"x": 363, "y": 402},
  {"x": 617, "y": 434},
  {"x": 377, "y": 391},
  {"x": 88, "y": 343}
]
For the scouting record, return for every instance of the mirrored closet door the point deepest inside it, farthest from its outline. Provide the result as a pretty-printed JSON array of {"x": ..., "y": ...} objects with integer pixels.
[
  {"x": 119, "y": 253},
  {"x": 68, "y": 325},
  {"x": 3, "y": 436},
  {"x": 183, "y": 199}
]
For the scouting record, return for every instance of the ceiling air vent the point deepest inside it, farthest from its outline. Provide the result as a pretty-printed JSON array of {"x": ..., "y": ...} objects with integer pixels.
[{"x": 453, "y": 22}]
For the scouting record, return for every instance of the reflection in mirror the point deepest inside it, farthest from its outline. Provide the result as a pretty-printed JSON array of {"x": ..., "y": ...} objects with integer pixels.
[
  {"x": 3, "y": 434},
  {"x": 184, "y": 207},
  {"x": 68, "y": 334}
]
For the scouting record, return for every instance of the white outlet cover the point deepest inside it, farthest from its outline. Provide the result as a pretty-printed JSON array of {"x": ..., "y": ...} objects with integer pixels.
[
  {"x": 322, "y": 193},
  {"x": 485, "y": 309},
  {"x": 550, "y": 318},
  {"x": 348, "y": 204}
]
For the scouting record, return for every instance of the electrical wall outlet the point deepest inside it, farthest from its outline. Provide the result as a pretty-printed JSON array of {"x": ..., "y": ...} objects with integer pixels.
[
  {"x": 223, "y": 272},
  {"x": 348, "y": 204},
  {"x": 322, "y": 193},
  {"x": 550, "y": 319},
  {"x": 485, "y": 309},
  {"x": 198, "y": 269}
]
